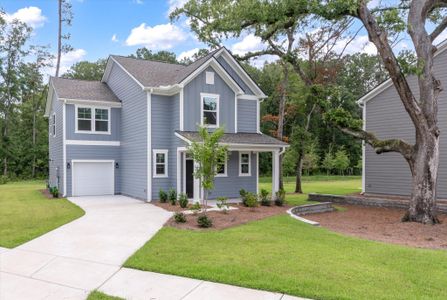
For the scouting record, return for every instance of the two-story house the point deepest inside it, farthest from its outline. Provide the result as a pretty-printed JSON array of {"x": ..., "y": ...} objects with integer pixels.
[{"x": 128, "y": 133}]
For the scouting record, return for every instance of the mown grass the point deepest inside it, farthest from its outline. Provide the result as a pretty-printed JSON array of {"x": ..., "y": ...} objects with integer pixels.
[
  {"x": 95, "y": 295},
  {"x": 26, "y": 214}
]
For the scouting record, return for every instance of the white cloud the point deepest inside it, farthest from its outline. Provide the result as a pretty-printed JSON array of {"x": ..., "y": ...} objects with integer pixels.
[
  {"x": 188, "y": 54},
  {"x": 173, "y": 4},
  {"x": 138, "y": 1},
  {"x": 249, "y": 43},
  {"x": 360, "y": 44},
  {"x": 67, "y": 60},
  {"x": 31, "y": 15},
  {"x": 114, "y": 38},
  {"x": 162, "y": 36}
]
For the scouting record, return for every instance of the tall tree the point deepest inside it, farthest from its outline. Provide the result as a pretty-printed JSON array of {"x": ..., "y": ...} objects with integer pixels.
[
  {"x": 65, "y": 17},
  {"x": 422, "y": 108},
  {"x": 87, "y": 70},
  {"x": 165, "y": 56}
]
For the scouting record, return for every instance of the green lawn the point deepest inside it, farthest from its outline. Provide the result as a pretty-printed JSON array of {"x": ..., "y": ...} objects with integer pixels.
[
  {"x": 95, "y": 295},
  {"x": 337, "y": 185},
  {"x": 26, "y": 214},
  {"x": 284, "y": 255}
]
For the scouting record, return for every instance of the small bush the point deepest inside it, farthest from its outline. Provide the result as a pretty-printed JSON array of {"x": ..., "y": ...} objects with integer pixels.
[
  {"x": 264, "y": 198},
  {"x": 183, "y": 200},
  {"x": 172, "y": 196},
  {"x": 250, "y": 200},
  {"x": 163, "y": 196},
  {"x": 4, "y": 179},
  {"x": 54, "y": 191},
  {"x": 280, "y": 197},
  {"x": 196, "y": 208},
  {"x": 222, "y": 204},
  {"x": 204, "y": 221},
  {"x": 179, "y": 217},
  {"x": 242, "y": 192}
]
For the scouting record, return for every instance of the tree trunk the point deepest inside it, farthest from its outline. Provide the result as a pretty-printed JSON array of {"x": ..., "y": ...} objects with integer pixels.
[
  {"x": 281, "y": 113},
  {"x": 59, "y": 38},
  {"x": 33, "y": 171},
  {"x": 424, "y": 170},
  {"x": 299, "y": 172}
]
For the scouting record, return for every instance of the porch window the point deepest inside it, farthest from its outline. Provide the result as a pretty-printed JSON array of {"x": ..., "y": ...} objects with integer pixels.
[
  {"x": 210, "y": 110},
  {"x": 244, "y": 164},
  {"x": 93, "y": 120},
  {"x": 160, "y": 163},
  {"x": 222, "y": 167}
]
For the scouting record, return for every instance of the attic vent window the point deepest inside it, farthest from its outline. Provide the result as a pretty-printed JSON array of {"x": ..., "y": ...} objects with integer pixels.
[{"x": 209, "y": 77}]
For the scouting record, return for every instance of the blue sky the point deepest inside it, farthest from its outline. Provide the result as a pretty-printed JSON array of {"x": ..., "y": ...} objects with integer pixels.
[{"x": 103, "y": 27}]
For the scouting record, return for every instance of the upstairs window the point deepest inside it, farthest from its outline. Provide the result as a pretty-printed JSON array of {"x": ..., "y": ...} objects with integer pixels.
[
  {"x": 160, "y": 163},
  {"x": 244, "y": 164},
  {"x": 210, "y": 110},
  {"x": 92, "y": 120},
  {"x": 53, "y": 125}
]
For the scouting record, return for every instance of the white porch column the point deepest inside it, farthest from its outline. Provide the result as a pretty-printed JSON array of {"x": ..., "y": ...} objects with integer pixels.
[
  {"x": 196, "y": 186},
  {"x": 275, "y": 172},
  {"x": 179, "y": 164}
]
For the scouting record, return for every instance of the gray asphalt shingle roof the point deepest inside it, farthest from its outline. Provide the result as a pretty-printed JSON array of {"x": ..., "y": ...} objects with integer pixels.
[
  {"x": 83, "y": 90},
  {"x": 155, "y": 73},
  {"x": 241, "y": 138}
]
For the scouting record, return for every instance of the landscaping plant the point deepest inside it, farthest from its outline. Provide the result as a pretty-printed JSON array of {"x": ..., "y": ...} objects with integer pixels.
[
  {"x": 172, "y": 196},
  {"x": 54, "y": 191},
  {"x": 196, "y": 208},
  {"x": 163, "y": 196},
  {"x": 204, "y": 221},
  {"x": 183, "y": 200},
  {"x": 179, "y": 217},
  {"x": 222, "y": 204},
  {"x": 250, "y": 200},
  {"x": 264, "y": 198},
  {"x": 280, "y": 197}
]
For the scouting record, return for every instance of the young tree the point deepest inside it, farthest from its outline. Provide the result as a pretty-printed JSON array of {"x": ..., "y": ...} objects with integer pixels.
[
  {"x": 65, "y": 17},
  {"x": 341, "y": 161},
  {"x": 207, "y": 154},
  {"x": 382, "y": 23}
]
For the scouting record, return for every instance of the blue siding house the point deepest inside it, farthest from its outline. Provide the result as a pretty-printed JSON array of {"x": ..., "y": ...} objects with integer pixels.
[{"x": 128, "y": 133}]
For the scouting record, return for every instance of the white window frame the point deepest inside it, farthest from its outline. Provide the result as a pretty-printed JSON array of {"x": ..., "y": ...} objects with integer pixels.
[
  {"x": 225, "y": 174},
  {"x": 53, "y": 125},
  {"x": 202, "y": 96},
  {"x": 93, "y": 120},
  {"x": 154, "y": 163},
  {"x": 240, "y": 164},
  {"x": 209, "y": 77}
]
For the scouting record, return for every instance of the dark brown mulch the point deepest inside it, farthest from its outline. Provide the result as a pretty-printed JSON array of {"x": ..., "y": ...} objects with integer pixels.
[
  {"x": 233, "y": 218},
  {"x": 169, "y": 207},
  {"x": 47, "y": 194},
  {"x": 384, "y": 224}
]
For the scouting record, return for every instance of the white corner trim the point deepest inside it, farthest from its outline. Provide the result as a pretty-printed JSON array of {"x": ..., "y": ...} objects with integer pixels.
[
  {"x": 258, "y": 117},
  {"x": 149, "y": 147},
  {"x": 240, "y": 163},
  {"x": 217, "y": 96},
  {"x": 92, "y": 143},
  {"x": 235, "y": 113},
  {"x": 154, "y": 162},
  {"x": 257, "y": 172},
  {"x": 181, "y": 100},
  {"x": 64, "y": 149},
  {"x": 364, "y": 151},
  {"x": 178, "y": 169}
]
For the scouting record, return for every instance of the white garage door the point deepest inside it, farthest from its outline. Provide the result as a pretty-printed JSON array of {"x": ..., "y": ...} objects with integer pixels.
[{"x": 93, "y": 178}]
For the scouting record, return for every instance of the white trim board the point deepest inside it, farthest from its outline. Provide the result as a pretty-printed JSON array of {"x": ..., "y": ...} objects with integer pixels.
[
  {"x": 149, "y": 147},
  {"x": 86, "y": 102},
  {"x": 92, "y": 143}
]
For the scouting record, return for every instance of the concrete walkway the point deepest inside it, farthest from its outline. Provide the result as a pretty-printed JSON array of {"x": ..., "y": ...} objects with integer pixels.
[{"x": 87, "y": 254}]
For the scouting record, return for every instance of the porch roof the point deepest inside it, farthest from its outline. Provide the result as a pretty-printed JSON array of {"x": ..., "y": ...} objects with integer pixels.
[{"x": 243, "y": 139}]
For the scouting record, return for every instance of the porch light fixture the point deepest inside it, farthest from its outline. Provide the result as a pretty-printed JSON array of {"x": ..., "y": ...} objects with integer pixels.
[
  {"x": 68, "y": 166},
  {"x": 117, "y": 165}
]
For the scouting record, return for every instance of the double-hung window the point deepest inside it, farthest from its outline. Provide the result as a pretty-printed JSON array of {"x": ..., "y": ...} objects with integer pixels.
[
  {"x": 92, "y": 120},
  {"x": 222, "y": 167},
  {"x": 244, "y": 164},
  {"x": 160, "y": 163},
  {"x": 53, "y": 125},
  {"x": 210, "y": 110}
]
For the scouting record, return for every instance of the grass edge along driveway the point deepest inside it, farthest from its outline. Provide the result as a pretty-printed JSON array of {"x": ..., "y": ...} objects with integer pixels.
[{"x": 26, "y": 214}]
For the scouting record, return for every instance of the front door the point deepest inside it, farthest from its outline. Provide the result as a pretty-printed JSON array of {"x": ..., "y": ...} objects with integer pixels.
[{"x": 189, "y": 180}]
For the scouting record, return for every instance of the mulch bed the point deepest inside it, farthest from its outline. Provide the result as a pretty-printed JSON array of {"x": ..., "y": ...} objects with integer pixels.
[
  {"x": 383, "y": 224},
  {"x": 235, "y": 217},
  {"x": 169, "y": 207},
  {"x": 47, "y": 194}
]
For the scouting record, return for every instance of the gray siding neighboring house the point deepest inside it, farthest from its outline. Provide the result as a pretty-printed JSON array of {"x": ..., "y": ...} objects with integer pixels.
[
  {"x": 156, "y": 107},
  {"x": 385, "y": 116}
]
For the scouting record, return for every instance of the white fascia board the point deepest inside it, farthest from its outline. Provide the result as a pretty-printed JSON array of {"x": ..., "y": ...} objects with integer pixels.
[
  {"x": 183, "y": 138},
  {"x": 212, "y": 62},
  {"x": 386, "y": 84},
  {"x": 105, "y": 75},
  {"x": 241, "y": 72},
  {"x": 130, "y": 75},
  {"x": 49, "y": 102},
  {"x": 92, "y": 102}
]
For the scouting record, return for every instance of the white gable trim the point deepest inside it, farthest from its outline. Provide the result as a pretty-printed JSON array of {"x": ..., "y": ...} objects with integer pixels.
[
  {"x": 91, "y": 102},
  {"x": 108, "y": 69},
  {"x": 386, "y": 84},
  {"x": 241, "y": 72},
  {"x": 214, "y": 64},
  {"x": 49, "y": 103}
]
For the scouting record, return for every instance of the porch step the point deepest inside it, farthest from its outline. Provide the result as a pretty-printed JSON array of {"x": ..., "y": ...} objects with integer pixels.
[{"x": 312, "y": 208}]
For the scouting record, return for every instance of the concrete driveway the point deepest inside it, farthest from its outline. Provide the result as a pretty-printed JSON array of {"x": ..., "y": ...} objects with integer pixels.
[{"x": 80, "y": 256}]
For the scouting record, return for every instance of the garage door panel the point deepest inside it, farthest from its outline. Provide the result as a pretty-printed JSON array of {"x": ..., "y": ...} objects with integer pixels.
[{"x": 93, "y": 178}]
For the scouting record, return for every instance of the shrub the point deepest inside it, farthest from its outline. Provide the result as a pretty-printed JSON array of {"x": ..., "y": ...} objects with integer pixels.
[
  {"x": 172, "y": 196},
  {"x": 54, "y": 191},
  {"x": 163, "y": 196},
  {"x": 280, "y": 197},
  {"x": 204, "y": 221},
  {"x": 242, "y": 192},
  {"x": 222, "y": 204},
  {"x": 183, "y": 200},
  {"x": 179, "y": 217},
  {"x": 264, "y": 198},
  {"x": 196, "y": 208},
  {"x": 4, "y": 179},
  {"x": 250, "y": 200}
]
